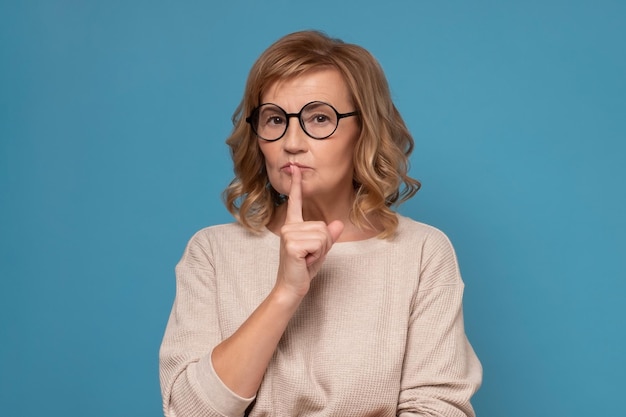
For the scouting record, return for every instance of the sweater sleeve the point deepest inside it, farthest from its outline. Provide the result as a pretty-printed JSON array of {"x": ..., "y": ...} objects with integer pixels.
[
  {"x": 189, "y": 385},
  {"x": 441, "y": 371}
]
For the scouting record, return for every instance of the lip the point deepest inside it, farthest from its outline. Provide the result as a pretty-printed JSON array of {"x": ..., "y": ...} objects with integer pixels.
[{"x": 288, "y": 165}]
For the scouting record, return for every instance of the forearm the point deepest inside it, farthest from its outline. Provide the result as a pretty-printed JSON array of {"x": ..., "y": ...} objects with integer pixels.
[{"x": 241, "y": 360}]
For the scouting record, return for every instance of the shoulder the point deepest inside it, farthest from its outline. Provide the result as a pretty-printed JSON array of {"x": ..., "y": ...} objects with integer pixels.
[
  {"x": 438, "y": 260},
  {"x": 229, "y": 238},
  {"x": 410, "y": 230},
  {"x": 223, "y": 233}
]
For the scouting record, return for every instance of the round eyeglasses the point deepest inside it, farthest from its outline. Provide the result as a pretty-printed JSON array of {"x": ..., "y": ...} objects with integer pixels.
[{"x": 319, "y": 120}]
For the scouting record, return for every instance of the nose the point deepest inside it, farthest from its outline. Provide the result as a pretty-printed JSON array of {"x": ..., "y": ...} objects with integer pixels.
[{"x": 294, "y": 140}]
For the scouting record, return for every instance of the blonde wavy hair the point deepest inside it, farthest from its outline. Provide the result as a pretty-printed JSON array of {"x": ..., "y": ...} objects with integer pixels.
[{"x": 381, "y": 152}]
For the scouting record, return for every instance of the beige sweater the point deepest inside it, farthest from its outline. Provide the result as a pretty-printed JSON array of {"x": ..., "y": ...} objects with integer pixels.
[{"x": 379, "y": 334}]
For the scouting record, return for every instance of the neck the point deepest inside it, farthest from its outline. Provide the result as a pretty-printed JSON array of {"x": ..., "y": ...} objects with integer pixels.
[{"x": 327, "y": 208}]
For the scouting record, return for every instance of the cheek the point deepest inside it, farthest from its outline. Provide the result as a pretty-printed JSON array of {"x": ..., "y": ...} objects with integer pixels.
[
  {"x": 278, "y": 182},
  {"x": 267, "y": 153},
  {"x": 270, "y": 162},
  {"x": 340, "y": 158}
]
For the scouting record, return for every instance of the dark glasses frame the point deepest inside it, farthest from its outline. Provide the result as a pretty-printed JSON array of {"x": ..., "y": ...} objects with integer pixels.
[{"x": 253, "y": 119}]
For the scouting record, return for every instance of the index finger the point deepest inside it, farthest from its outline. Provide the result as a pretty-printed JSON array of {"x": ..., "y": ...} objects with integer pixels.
[{"x": 294, "y": 203}]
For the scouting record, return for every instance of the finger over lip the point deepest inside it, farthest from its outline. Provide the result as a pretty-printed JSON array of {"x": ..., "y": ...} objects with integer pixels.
[{"x": 294, "y": 202}]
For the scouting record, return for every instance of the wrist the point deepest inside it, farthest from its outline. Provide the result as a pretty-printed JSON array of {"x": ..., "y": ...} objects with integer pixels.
[{"x": 286, "y": 298}]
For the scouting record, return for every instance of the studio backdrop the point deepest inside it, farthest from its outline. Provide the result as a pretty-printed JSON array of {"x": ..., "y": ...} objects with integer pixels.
[{"x": 113, "y": 116}]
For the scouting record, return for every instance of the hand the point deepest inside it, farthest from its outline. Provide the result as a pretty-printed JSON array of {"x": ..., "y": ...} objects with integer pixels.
[{"x": 303, "y": 245}]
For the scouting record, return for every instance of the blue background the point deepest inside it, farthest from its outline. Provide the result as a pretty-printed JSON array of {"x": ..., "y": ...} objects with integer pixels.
[{"x": 113, "y": 117}]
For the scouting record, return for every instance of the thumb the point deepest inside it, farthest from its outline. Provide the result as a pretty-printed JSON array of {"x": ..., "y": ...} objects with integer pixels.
[{"x": 335, "y": 228}]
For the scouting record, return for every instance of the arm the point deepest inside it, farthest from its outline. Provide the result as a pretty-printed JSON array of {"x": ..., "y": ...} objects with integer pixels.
[
  {"x": 224, "y": 382},
  {"x": 242, "y": 359},
  {"x": 441, "y": 371},
  {"x": 189, "y": 385}
]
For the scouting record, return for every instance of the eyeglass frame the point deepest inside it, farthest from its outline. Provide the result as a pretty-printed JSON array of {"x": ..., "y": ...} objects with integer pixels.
[{"x": 298, "y": 115}]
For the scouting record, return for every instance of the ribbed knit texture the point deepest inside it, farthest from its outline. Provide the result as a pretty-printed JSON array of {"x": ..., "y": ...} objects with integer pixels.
[{"x": 380, "y": 332}]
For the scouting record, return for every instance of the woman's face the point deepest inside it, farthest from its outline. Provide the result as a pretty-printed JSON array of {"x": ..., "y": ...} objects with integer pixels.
[{"x": 326, "y": 164}]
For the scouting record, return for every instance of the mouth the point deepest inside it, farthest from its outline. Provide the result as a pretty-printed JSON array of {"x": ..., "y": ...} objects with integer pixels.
[{"x": 288, "y": 165}]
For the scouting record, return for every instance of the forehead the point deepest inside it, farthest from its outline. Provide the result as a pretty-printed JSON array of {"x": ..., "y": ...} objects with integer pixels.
[{"x": 325, "y": 85}]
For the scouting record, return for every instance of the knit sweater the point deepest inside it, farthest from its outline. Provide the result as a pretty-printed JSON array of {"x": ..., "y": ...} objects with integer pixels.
[{"x": 380, "y": 332}]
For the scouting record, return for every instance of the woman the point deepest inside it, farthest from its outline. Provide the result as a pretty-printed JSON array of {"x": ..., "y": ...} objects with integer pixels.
[{"x": 320, "y": 300}]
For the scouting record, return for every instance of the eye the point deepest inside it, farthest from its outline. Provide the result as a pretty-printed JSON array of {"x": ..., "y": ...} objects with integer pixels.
[
  {"x": 318, "y": 118},
  {"x": 321, "y": 118},
  {"x": 275, "y": 120},
  {"x": 271, "y": 117},
  {"x": 318, "y": 114}
]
